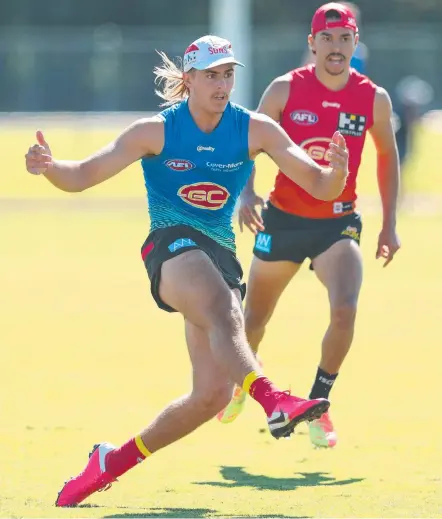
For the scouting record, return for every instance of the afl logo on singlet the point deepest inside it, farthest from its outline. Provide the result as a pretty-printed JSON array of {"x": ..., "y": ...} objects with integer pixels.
[
  {"x": 179, "y": 164},
  {"x": 304, "y": 117},
  {"x": 205, "y": 195}
]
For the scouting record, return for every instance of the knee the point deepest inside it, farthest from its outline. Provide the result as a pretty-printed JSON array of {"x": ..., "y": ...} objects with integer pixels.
[
  {"x": 212, "y": 400},
  {"x": 343, "y": 315},
  {"x": 224, "y": 310}
]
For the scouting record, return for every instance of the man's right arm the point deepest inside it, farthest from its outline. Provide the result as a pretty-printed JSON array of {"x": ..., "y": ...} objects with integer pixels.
[{"x": 143, "y": 137}]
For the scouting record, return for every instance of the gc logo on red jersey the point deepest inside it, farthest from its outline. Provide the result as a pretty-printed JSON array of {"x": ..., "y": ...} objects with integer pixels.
[
  {"x": 205, "y": 195},
  {"x": 317, "y": 148}
]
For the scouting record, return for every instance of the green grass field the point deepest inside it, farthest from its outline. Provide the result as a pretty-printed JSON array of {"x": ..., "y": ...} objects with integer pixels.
[{"x": 87, "y": 356}]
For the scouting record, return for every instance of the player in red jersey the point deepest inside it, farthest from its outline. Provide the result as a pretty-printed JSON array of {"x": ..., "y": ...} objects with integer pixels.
[{"x": 311, "y": 103}]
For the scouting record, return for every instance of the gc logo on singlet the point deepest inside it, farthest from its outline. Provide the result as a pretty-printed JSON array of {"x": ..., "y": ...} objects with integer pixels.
[
  {"x": 317, "y": 148},
  {"x": 205, "y": 195}
]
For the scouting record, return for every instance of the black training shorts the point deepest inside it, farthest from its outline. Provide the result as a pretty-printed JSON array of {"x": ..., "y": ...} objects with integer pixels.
[{"x": 164, "y": 244}]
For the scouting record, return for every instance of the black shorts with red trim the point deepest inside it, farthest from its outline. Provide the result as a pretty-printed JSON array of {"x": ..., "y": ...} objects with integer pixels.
[{"x": 169, "y": 242}]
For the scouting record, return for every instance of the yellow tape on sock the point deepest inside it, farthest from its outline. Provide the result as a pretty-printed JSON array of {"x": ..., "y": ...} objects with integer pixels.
[
  {"x": 248, "y": 381},
  {"x": 141, "y": 447}
]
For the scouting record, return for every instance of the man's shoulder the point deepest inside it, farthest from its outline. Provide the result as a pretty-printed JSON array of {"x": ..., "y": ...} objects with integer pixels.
[
  {"x": 278, "y": 90},
  {"x": 235, "y": 108},
  {"x": 361, "y": 80},
  {"x": 297, "y": 74}
]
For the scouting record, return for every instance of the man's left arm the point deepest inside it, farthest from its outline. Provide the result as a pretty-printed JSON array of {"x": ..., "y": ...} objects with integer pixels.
[{"x": 388, "y": 174}]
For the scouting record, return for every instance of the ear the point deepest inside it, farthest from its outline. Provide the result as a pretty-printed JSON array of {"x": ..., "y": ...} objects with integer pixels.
[
  {"x": 356, "y": 39},
  {"x": 311, "y": 42},
  {"x": 187, "y": 78}
]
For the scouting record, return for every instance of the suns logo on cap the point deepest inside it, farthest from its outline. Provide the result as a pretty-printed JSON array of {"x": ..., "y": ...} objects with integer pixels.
[
  {"x": 190, "y": 54},
  {"x": 192, "y": 48}
]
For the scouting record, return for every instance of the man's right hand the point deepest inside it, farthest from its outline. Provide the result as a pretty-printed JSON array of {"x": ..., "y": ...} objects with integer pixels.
[
  {"x": 248, "y": 215},
  {"x": 39, "y": 156},
  {"x": 338, "y": 156}
]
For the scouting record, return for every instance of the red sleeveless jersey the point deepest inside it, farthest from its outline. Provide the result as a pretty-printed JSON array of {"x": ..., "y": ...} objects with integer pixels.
[{"x": 311, "y": 116}]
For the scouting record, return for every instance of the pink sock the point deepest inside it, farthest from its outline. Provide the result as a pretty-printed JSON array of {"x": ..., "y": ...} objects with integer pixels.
[
  {"x": 126, "y": 457},
  {"x": 263, "y": 391}
]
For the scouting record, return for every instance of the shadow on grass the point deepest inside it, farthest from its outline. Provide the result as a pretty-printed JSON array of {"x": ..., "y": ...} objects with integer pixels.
[{"x": 236, "y": 477}]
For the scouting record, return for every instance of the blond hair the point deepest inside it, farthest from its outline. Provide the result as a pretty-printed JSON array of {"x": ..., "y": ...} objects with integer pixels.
[{"x": 173, "y": 89}]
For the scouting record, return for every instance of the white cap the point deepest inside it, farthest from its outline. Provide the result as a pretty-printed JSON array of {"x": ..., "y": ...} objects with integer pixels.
[{"x": 208, "y": 52}]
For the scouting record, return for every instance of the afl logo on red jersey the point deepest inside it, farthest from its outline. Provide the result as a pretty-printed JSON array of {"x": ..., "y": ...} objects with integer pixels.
[{"x": 304, "y": 117}]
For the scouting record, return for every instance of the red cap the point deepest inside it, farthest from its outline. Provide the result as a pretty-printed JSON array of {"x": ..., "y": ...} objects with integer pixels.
[{"x": 322, "y": 19}]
